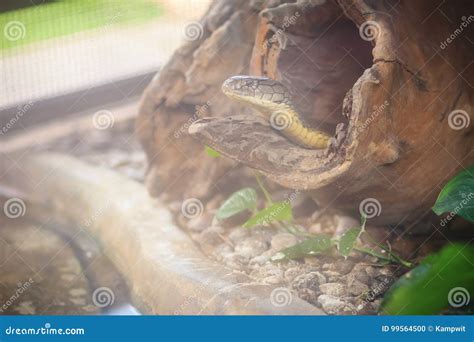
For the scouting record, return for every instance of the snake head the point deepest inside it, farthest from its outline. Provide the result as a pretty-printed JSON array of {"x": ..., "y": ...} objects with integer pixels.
[{"x": 262, "y": 93}]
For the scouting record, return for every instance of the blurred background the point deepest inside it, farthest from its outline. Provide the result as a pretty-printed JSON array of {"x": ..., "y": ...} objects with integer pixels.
[
  {"x": 61, "y": 64},
  {"x": 71, "y": 56}
]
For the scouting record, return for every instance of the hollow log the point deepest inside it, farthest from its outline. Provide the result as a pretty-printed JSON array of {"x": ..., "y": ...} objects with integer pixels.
[{"x": 392, "y": 81}]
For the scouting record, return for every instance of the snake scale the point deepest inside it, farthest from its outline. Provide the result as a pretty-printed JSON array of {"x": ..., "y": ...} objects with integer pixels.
[{"x": 273, "y": 100}]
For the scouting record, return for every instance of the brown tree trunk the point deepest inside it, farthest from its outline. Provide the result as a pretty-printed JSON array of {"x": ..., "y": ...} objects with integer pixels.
[{"x": 391, "y": 80}]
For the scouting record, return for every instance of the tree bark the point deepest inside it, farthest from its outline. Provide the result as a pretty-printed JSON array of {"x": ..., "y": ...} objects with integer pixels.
[{"x": 392, "y": 81}]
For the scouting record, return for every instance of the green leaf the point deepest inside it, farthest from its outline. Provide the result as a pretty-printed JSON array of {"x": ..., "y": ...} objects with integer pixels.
[
  {"x": 239, "y": 201},
  {"x": 458, "y": 196},
  {"x": 439, "y": 281},
  {"x": 347, "y": 241},
  {"x": 313, "y": 246},
  {"x": 211, "y": 152},
  {"x": 278, "y": 211}
]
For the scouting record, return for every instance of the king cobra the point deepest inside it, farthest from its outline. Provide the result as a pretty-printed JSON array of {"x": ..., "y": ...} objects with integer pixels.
[{"x": 273, "y": 100}]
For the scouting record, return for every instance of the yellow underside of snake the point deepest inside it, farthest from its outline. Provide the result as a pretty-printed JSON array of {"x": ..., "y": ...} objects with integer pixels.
[{"x": 273, "y": 100}]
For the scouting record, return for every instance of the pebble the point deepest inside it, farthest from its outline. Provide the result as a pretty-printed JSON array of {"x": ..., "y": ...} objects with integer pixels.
[
  {"x": 342, "y": 266},
  {"x": 239, "y": 234},
  {"x": 357, "y": 288},
  {"x": 250, "y": 248},
  {"x": 308, "y": 280},
  {"x": 332, "y": 304},
  {"x": 201, "y": 222},
  {"x": 261, "y": 259},
  {"x": 333, "y": 289},
  {"x": 308, "y": 295},
  {"x": 236, "y": 261},
  {"x": 282, "y": 241},
  {"x": 344, "y": 223}
]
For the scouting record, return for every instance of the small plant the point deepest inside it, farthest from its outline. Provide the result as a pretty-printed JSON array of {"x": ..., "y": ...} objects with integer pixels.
[
  {"x": 445, "y": 278},
  {"x": 280, "y": 215}
]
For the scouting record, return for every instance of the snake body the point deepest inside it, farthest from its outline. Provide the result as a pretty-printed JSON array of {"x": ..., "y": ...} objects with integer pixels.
[{"x": 273, "y": 100}]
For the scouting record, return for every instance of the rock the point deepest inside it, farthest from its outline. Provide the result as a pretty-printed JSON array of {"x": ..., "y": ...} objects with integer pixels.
[
  {"x": 273, "y": 280},
  {"x": 221, "y": 251},
  {"x": 331, "y": 304},
  {"x": 309, "y": 280},
  {"x": 334, "y": 289},
  {"x": 312, "y": 261},
  {"x": 371, "y": 271},
  {"x": 250, "y": 248},
  {"x": 357, "y": 288},
  {"x": 291, "y": 273},
  {"x": 344, "y": 223},
  {"x": 261, "y": 259},
  {"x": 238, "y": 234},
  {"x": 282, "y": 241},
  {"x": 236, "y": 261},
  {"x": 201, "y": 222},
  {"x": 342, "y": 266},
  {"x": 209, "y": 238},
  {"x": 308, "y": 295},
  {"x": 332, "y": 276},
  {"x": 316, "y": 228}
]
